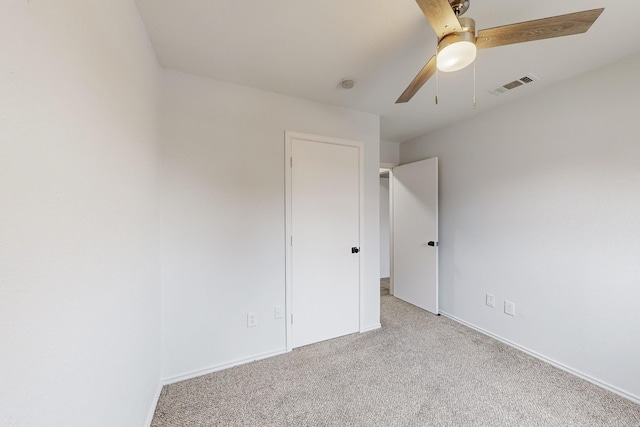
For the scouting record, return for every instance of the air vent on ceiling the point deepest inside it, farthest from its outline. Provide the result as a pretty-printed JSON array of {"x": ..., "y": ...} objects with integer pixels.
[{"x": 514, "y": 84}]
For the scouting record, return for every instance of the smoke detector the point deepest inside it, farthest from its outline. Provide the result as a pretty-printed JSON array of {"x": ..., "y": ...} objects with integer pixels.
[{"x": 347, "y": 83}]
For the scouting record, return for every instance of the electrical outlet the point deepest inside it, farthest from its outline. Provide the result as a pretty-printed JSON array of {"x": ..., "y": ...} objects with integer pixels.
[
  {"x": 491, "y": 300},
  {"x": 252, "y": 320},
  {"x": 279, "y": 312},
  {"x": 510, "y": 308}
]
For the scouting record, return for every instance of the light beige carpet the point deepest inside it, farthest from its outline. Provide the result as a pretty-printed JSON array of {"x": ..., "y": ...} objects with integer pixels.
[
  {"x": 417, "y": 370},
  {"x": 384, "y": 286}
]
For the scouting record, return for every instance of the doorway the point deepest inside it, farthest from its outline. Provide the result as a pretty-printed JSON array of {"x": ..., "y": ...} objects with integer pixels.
[{"x": 385, "y": 232}]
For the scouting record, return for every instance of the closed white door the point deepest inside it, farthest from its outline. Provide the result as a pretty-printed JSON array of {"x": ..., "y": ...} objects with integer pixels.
[
  {"x": 324, "y": 240},
  {"x": 415, "y": 233}
]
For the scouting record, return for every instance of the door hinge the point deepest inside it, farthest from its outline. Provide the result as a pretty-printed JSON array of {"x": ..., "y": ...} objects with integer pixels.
[
  {"x": 291, "y": 240},
  {"x": 292, "y": 318},
  {"x": 291, "y": 161}
]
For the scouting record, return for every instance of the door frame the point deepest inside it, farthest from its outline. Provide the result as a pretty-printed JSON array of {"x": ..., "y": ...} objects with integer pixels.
[
  {"x": 388, "y": 168},
  {"x": 289, "y": 136}
]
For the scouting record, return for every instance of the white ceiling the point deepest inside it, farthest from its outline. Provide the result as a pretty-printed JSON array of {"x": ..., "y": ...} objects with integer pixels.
[{"x": 304, "y": 48}]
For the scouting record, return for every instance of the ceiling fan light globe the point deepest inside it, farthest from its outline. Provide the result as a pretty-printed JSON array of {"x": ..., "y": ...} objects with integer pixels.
[{"x": 456, "y": 56}]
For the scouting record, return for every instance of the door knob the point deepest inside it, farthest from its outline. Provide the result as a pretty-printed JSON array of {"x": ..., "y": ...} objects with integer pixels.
[
  {"x": 432, "y": 243},
  {"x": 355, "y": 250}
]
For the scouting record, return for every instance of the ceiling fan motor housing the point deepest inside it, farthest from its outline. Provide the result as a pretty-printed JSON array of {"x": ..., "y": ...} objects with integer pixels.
[
  {"x": 468, "y": 34},
  {"x": 457, "y": 50}
]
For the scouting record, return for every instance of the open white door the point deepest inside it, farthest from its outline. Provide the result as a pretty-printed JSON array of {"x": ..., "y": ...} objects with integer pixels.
[{"x": 415, "y": 233}]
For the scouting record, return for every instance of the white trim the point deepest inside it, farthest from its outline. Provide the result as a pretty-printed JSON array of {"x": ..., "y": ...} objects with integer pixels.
[
  {"x": 389, "y": 171},
  {"x": 221, "y": 366},
  {"x": 288, "y": 137},
  {"x": 437, "y": 240},
  {"x": 154, "y": 404},
  {"x": 388, "y": 165},
  {"x": 609, "y": 387},
  {"x": 288, "y": 299},
  {"x": 371, "y": 328},
  {"x": 391, "y": 253},
  {"x": 362, "y": 239}
]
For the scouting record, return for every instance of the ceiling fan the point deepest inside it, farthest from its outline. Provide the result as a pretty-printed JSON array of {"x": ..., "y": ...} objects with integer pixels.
[{"x": 458, "y": 42}]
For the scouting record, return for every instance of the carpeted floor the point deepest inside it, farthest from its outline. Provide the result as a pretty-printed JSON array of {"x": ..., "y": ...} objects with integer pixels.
[
  {"x": 417, "y": 370},
  {"x": 384, "y": 286}
]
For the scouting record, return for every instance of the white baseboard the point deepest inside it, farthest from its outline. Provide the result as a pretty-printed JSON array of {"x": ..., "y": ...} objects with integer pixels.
[
  {"x": 226, "y": 365},
  {"x": 154, "y": 404},
  {"x": 635, "y": 399},
  {"x": 220, "y": 367},
  {"x": 371, "y": 328}
]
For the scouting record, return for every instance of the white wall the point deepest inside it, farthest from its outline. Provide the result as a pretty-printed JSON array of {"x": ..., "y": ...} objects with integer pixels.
[
  {"x": 79, "y": 273},
  {"x": 223, "y": 252},
  {"x": 385, "y": 230},
  {"x": 540, "y": 205},
  {"x": 389, "y": 153}
]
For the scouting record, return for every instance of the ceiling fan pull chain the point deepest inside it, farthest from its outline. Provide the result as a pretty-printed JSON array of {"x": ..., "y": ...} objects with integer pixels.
[{"x": 474, "y": 83}]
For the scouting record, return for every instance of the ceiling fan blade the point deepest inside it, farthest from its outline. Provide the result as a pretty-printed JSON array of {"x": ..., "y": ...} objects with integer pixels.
[
  {"x": 419, "y": 81},
  {"x": 440, "y": 16},
  {"x": 556, "y": 26}
]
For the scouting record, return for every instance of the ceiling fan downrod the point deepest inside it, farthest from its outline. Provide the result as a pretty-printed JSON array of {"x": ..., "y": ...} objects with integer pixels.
[{"x": 459, "y": 6}]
